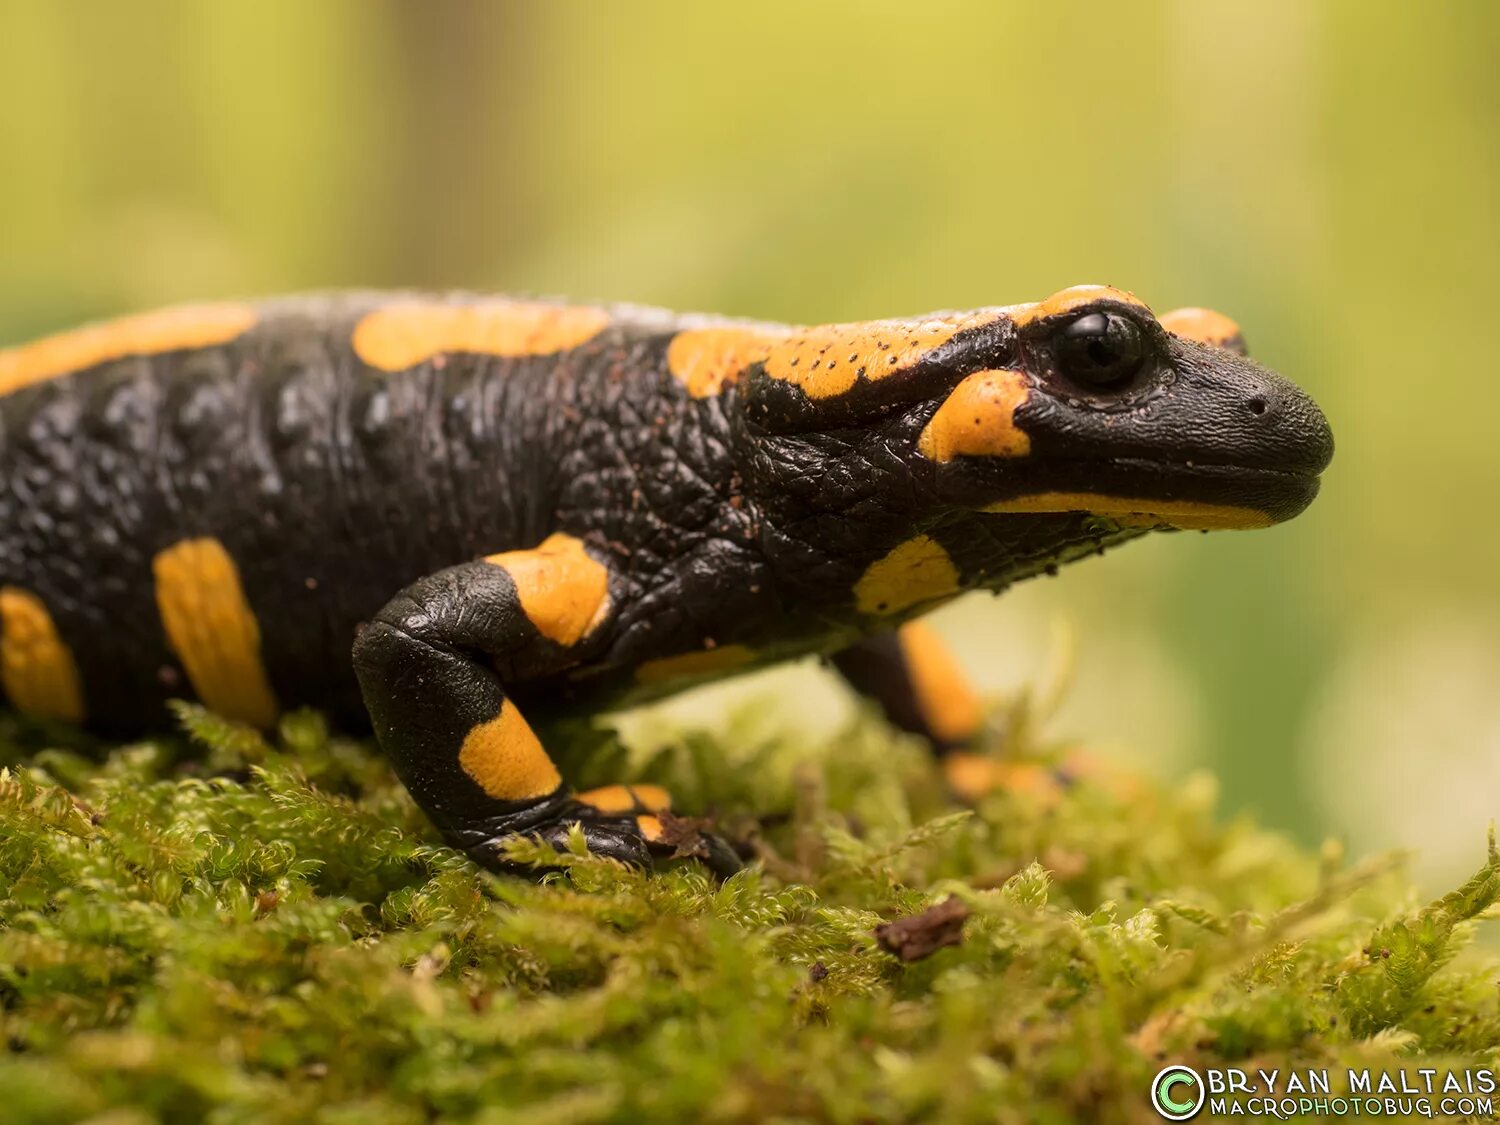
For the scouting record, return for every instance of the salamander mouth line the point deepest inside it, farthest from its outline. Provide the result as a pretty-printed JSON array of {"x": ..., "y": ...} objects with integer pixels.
[
  {"x": 1208, "y": 468},
  {"x": 1211, "y": 468},
  {"x": 1184, "y": 467}
]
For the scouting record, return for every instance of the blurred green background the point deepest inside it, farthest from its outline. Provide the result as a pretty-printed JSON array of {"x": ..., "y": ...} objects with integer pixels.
[{"x": 1328, "y": 174}]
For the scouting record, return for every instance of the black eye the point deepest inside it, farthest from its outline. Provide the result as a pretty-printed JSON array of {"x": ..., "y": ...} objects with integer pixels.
[{"x": 1101, "y": 350}]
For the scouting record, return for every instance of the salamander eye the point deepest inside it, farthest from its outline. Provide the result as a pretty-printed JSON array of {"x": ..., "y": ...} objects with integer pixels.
[{"x": 1101, "y": 350}]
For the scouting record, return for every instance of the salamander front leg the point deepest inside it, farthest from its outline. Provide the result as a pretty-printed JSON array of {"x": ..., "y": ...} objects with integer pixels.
[{"x": 430, "y": 667}]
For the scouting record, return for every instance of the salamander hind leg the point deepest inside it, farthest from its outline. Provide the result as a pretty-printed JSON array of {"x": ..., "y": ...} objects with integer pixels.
[
  {"x": 918, "y": 683},
  {"x": 922, "y": 689},
  {"x": 431, "y": 667}
]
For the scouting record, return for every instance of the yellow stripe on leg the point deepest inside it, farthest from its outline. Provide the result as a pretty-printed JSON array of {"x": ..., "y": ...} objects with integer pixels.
[
  {"x": 626, "y": 798},
  {"x": 943, "y": 692},
  {"x": 211, "y": 628},
  {"x": 505, "y": 758},
  {"x": 564, "y": 592},
  {"x": 36, "y": 667}
]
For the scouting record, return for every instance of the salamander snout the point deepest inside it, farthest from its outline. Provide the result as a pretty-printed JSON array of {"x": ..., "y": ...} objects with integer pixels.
[
  {"x": 1293, "y": 433},
  {"x": 1279, "y": 426},
  {"x": 1108, "y": 411}
]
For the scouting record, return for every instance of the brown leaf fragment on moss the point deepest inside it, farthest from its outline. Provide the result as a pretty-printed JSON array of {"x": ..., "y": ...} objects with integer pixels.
[
  {"x": 684, "y": 834},
  {"x": 921, "y": 935},
  {"x": 692, "y": 837}
]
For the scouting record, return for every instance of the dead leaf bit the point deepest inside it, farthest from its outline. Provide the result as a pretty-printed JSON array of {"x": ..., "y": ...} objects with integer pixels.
[{"x": 921, "y": 935}]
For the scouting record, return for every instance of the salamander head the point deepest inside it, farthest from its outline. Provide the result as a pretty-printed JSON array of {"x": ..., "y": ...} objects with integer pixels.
[
  {"x": 1084, "y": 404},
  {"x": 1106, "y": 410}
]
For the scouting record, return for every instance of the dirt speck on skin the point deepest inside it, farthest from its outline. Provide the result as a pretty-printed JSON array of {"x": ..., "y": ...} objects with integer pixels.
[{"x": 921, "y": 935}]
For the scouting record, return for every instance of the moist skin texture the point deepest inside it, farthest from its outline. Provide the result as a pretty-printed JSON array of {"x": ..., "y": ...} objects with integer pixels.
[{"x": 462, "y": 517}]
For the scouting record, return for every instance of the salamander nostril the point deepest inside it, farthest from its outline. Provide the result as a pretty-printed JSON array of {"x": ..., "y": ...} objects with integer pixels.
[{"x": 1258, "y": 405}]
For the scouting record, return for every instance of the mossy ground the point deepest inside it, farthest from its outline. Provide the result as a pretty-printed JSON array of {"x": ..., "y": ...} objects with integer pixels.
[{"x": 269, "y": 931}]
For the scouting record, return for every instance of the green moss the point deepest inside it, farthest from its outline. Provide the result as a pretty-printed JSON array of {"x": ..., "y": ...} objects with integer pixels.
[{"x": 268, "y": 930}]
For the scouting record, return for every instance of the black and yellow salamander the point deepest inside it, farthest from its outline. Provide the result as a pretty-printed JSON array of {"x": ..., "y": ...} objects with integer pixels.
[{"x": 460, "y": 518}]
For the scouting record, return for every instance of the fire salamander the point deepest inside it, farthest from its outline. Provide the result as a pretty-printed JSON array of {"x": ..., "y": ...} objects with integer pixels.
[{"x": 461, "y": 518}]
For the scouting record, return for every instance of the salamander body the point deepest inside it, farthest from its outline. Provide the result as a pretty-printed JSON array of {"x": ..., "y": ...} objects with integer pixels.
[{"x": 460, "y": 518}]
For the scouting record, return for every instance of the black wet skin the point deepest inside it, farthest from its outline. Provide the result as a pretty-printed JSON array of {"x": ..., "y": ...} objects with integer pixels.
[{"x": 742, "y": 518}]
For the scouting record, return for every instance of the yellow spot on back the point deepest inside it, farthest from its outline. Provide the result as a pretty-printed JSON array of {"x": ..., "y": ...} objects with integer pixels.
[
  {"x": 1188, "y": 515},
  {"x": 948, "y": 702},
  {"x": 914, "y": 572},
  {"x": 977, "y": 419},
  {"x": 1067, "y": 300},
  {"x": 211, "y": 628},
  {"x": 1206, "y": 327},
  {"x": 36, "y": 667},
  {"x": 705, "y": 359},
  {"x": 506, "y": 760},
  {"x": 695, "y": 665},
  {"x": 407, "y": 333},
  {"x": 563, "y": 591},
  {"x": 166, "y": 330},
  {"x": 826, "y": 360}
]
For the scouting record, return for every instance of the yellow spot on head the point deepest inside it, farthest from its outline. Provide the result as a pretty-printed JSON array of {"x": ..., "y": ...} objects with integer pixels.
[
  {"x": 166, "y": 330},
  {"x": 913, "y": 573},
  {"x": 977, "y": 419},
  {"x": 36, "y": 667},
  {"x": 505, "y": 759},
  {"x": 1187, "y": 515},
  {"x": 1068, "y": 300},
  {"x": 827, "y": 360},
  {"x": 695, "y": 665},
  {"x": 213, "y": 631},
  {"x": 705, "y": 359},
  {"x": 563, "y": 591},
  {"x": 948, "y": 703},
  {"x": 1206, "y": 327},
  {"x": 407, "y": 333}
]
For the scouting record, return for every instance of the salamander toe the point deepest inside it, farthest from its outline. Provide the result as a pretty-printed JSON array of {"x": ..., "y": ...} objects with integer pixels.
[{"x": 629, "y": 823}]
